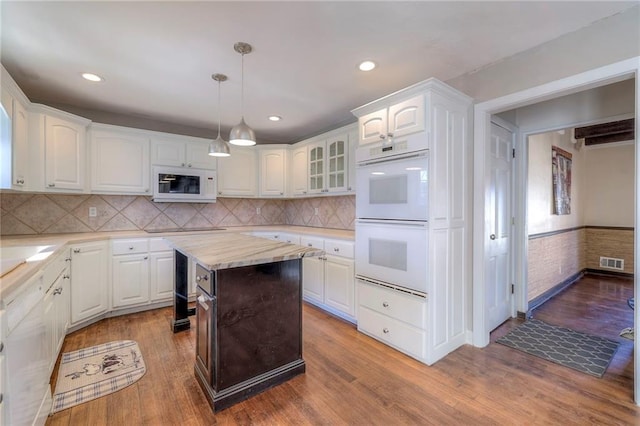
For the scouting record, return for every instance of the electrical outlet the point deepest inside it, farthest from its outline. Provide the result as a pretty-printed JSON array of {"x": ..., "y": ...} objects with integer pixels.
[
  {"x": 316, "y": 211},
  {"x": 257, "y": 210},
  {"x": 93, "y": 212}
]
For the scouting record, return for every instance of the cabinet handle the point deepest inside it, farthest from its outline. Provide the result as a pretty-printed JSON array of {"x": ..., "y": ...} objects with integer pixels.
[
  {"x": 1, "y": 398},
  {"x": 385, "y": 330},
  {"x": 182, "y": 164},
  {"x": 385, "y": 304},
  {"x": 19, "y": 181},
  {"x": 219, "y": 192},
  {"x": 57, "y": 291},
  {"x": 203, "y": 302},
  {"x": 146, "y": 257},
  {"x": 309, "y": 244},
  {"x": 189, "y": 164},
  {"x": 336, "y": 249},
  {"x": 390, "y": 134},
  {"x": 304, "y": 192},
  {"x": 383, "y": 136},
  {"x": 66, "y": 277},
  {"x": 146, "y": 190},
  {"x": 201, "y": 278},
  {"x": 1, "y": 346},
  {"x": 349, "y": 189},
  {"x": 51, "y": 185},
  {"x": 76, "y": 250},
  {"x": 282, "y": 193},
  {"x": 68, "y": 259},
  {"x": 130, "y": 247}
]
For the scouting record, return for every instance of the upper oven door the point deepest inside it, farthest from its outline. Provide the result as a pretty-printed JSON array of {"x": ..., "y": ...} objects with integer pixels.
[
  {"x": 393, "y": 252},
  {"x": 394, "y": 188}
]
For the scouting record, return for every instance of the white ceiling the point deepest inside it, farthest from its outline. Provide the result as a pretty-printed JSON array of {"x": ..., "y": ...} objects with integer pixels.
[{"x": 157, "y": 57}]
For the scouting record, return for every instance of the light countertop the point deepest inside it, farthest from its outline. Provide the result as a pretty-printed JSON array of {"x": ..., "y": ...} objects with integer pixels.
[{"x": 222, "y": 251}]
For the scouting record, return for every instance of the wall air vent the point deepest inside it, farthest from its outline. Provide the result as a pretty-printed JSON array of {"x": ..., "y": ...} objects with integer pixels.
[{"x": 612, "y": 263}]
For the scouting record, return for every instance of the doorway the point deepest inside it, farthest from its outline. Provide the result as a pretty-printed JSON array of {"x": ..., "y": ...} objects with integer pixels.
[{"x": 482, "y": 118}]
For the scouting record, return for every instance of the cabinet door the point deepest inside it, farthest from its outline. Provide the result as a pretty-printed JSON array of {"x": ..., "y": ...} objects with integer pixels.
[
  {"x": 337, "y": 161},
  {"x": 272, "y": 172},
  {"x": 339, "y": 284},
  {"x": 64, "y": 154},
  {"x": 63, "y": 309},
  {"x": 317, "y": 155},
  {"x": 168, "y": 153},
  {"x": 197, "y": 156},
  {"x": 237, "y": 173},
  {"x": 20, "y": 146},
  {"x": 130, "y": 280},
  {"x": 49, "y": 318},
  {"x": 313, "y": 279},
  {"x": 89, "y": 281},
  {"x": 373, "y": 127},
  {"x": 161, "y": 275},
  {"x": 119, "y": 162},
  {"x": 299, "y": 171},
  {"x": 407, "y": 117}
]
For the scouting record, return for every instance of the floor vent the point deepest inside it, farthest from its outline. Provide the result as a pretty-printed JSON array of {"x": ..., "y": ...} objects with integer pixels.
[{"x": 612, "y": 263}]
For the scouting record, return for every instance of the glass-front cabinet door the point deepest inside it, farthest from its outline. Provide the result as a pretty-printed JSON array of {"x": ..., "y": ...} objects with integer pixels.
[
  {"x": 316, "y": 167},
  {"x": 337, "y": 158}
]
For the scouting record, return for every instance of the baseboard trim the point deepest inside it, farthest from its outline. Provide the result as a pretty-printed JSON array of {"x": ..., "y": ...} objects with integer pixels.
[{"x": 609, "y": 273}]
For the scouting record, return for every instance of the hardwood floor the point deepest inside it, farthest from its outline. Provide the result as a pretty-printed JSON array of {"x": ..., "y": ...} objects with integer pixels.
[{"x": 353, "y": 379}]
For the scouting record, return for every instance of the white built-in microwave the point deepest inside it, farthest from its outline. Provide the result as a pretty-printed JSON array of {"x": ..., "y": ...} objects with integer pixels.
[{"x": 176, "y": 184}]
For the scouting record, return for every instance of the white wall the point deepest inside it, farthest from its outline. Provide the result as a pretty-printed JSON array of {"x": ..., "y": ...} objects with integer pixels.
[
  {"x": 540, "y": 194},
  {"x": 607, "y": 41},
  {"x": 609, "y": 189}
]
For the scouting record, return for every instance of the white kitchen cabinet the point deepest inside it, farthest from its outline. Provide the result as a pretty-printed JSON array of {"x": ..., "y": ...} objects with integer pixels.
[
  {"x": 339, "y": 284},
  {"x": 17, "y": 112},
  {"x": 119, "y": 160},
  {"x": 182, "y": 151},
  {"x": 161, "y": 270},
  {"x": 89, "y": 281},
  {"x": 398, "y": 119},
  {"x": 130, "y": 279},
  {"x": 56, "y": 316},
  {"x": 237, "y": 174},
  {"x": 299, "y": 171},
  {"x": 313, "y": 279},
  {"x": 327, "y": 165},
  {"x": 272, "y": 172},
  {"x": 65, "y": 154}
]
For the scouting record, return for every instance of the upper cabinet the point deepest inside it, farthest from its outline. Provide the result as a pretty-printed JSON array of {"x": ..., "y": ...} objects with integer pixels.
[
  {"x": 298, "y": 171},
  {"x": 61, "y": 148},
  {"x": 398, "y": 119},
  {"x": 17, "y": 148},
  {"x": 119, "y": 160},
  {"x": 328, "y": 165},
  {"x": 272, "y": 171},
  {"x": 237, "y": 174},
  {"x": 182, "y": 151}
]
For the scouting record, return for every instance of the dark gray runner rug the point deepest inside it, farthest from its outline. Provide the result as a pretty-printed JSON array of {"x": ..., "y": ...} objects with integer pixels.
[{"x": 580, "y": 351}]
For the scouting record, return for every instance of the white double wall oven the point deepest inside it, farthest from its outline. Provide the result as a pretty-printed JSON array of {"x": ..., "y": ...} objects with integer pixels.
[{"x": 392, "y": 210}]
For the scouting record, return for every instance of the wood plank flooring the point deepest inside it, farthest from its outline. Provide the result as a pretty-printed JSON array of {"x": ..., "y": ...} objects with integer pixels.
[{"x": 353, "y": 379}]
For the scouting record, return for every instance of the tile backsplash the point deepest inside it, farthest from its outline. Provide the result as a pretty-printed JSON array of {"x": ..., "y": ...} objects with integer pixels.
[{"x": 30, "y": 214}]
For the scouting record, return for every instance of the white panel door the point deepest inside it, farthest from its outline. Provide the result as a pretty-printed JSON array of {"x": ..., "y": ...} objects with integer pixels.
[
  {"x": 373, "y": 126},
  {"x": 20, "y": 145},
  {"x": 119, "y": 162},
  {"x": 272, "y": 172},
  {"x": 237, "y": 174},
  {"x": 168, "y": 153},
  {"x": 313, "y": 279},
  {"x": 130, "y": 280},
  {"x": 339, "y": 284},
  {"x": 198, "y": 157},
  {"x": 299, "y": 171},
  {"x": 161, "y": 273},
  {"x": 407, "y": 117},
  {"x": 64, "y": 154},
  {"x": 89, "y": 281},
  {"x": 498, "y": 240}
]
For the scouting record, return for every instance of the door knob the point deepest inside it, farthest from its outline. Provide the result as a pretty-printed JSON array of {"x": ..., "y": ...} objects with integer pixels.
[{"x": 492, "y": 236}]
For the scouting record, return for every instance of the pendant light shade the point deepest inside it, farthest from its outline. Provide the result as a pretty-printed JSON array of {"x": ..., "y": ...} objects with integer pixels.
[
  {"x": 219, "y": 147},
  {"x": 241, "y": 134}
]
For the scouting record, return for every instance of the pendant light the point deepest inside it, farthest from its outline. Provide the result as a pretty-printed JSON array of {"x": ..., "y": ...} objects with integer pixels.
[
  {"x": 241, "y": 134},
  {"x": 219, "y": 147}
]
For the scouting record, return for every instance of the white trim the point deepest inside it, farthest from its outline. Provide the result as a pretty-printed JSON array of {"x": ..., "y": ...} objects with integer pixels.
[{"x": 608, "y": 74}]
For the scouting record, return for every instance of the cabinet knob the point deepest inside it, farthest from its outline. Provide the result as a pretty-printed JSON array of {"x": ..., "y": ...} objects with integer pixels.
[
  {"x": 1, "y": 346},
  {"x": 336, "y": 249},
  {"x": 219, "y": 192},
  {"x": 349, "y": 189},
  {"x": 492, "y": 236},
  {"x": 201, "y": 278},
  {"x": 68, "y": 259},
  {"x": 309, "y": 244},
  {"x": 385, "y": 330},
  {"x": 1, "y": 398},
  {"x": 130, "y": 247},
  {"x": 282, "y": 193},
  {"x": 390, "y": 134},
  {"x": 189, "y": 164},
  {"x": 146, "y": 190},
  {"x": 19, "y": 181},
  {"x": 76, "y": 250},
  {"x": 57, "y": 291},
  {"x": 383, "y": 136},
  {"x": 182, "y": 164},
  {"x": 66, "y": 277},
  {"x": 146, "y": 257},
  {"x": 304, "y": 192},
  {"x": 51, "y": 185},
  {"x": 385, "y": 304}
]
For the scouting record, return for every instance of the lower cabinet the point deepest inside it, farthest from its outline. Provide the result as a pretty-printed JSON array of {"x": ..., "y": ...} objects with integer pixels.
[
  {"x": 161, "y": 273},
  {"x": 328, "y": 281},
  {"x": 89, "y": 280},
  {"x": 130, "y": 279}
]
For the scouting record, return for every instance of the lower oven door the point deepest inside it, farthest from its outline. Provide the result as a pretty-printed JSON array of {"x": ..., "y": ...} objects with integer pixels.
[
  {"x": 205, "y": 337},
  {"x": 394, "y": 252}
]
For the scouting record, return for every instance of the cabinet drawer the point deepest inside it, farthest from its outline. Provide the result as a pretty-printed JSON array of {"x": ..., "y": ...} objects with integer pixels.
[
  {"x": 55, "y": 268},
  {"x": 138, "y": 245},
  {"x": 314, "y": 242},
  {"x": 392, "y": 303},
  {"x": 290, "y": 238},
  {"x": 159, "y": 244},
  {"x": 396, "y": 333},
  {"x": 339, "y": 248}
]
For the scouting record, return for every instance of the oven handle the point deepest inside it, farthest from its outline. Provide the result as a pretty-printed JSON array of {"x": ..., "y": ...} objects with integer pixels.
[
  {"x": 391, "y": 158},
  {"x": 389, "y": 222}
]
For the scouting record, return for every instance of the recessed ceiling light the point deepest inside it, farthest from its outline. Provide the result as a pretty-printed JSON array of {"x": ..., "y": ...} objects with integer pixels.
[
  {"x": 367, "y": 65},
  {"x": 92, "y": 77},
  {"x": 275, "y": 118}
]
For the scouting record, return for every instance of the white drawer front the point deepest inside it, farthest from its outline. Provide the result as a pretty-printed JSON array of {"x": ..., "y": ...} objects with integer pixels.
[
  {"x": 396, "y": 333},
  {"x": 290, "y": 238},
  {"x": 395, "y": 304},
  {"x": 138, "y": 245},
  {"x": 159, "y": 244},
  {"x": 312, "y": 242},
  {"x": 339, "y": 248},
  {"x": 53, "y": 270}
]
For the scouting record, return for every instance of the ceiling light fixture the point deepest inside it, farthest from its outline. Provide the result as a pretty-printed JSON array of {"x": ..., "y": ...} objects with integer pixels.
[
  {"x": 366, "y": 66},
  {"x": 92, "y": 77},
  {"x": 241, "y": 134},
  {"x": 219, "y": 147},
  {"x": 275, "y": 118}
]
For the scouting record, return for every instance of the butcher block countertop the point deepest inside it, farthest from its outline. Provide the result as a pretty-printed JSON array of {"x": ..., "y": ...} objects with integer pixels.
[{"x": 225, "y": 250}]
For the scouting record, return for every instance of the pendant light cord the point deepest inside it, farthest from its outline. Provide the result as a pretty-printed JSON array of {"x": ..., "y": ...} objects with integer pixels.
[
  {"x": 219, "y": 111},
  {"x": 242, "y": 89}
]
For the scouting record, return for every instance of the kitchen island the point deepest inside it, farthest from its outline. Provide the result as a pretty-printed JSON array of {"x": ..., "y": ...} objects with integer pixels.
[{"x": 248, "y": 312}]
